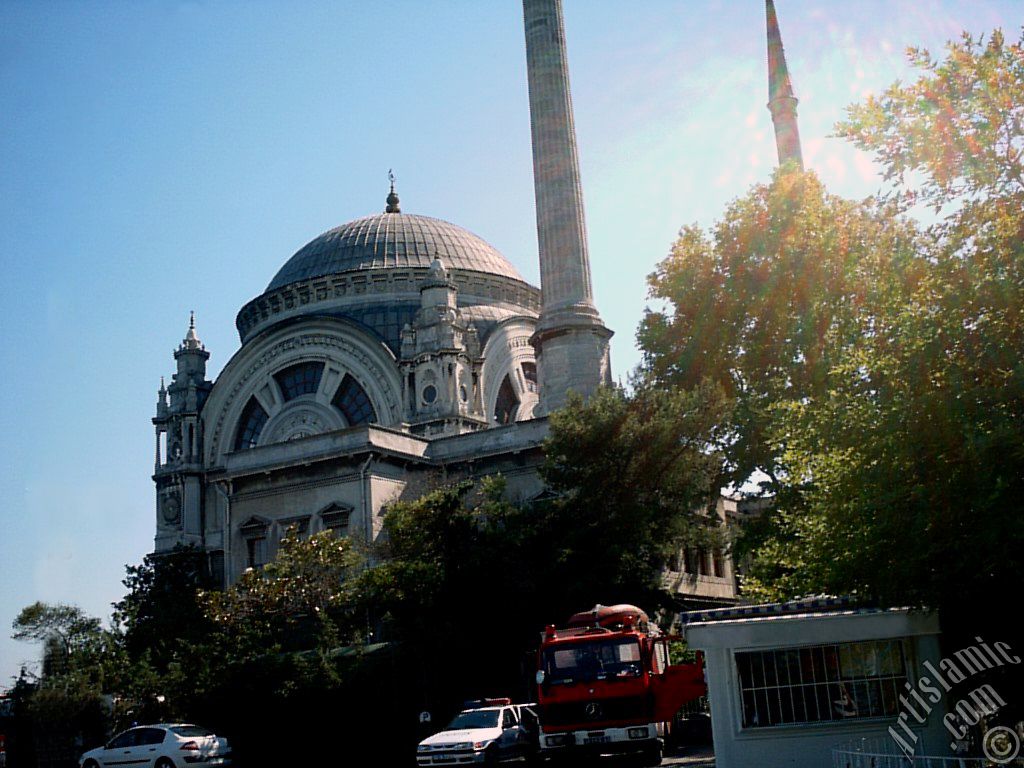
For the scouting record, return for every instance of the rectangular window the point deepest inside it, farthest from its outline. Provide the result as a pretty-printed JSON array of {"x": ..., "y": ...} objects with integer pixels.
[
  {"x": 257, "y": 552},
  {"x": 718, "y": 562},
  {"x": 822, "y": 683}
]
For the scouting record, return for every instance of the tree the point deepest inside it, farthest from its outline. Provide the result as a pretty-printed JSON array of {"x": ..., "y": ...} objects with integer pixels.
[
  {"x": 631, "y": 477},
  {"x": 764, "y": 304},
  {"x": 307, "y": 588},
  {"x": 66, "y": 705},
  {"x": 161, "y": 609},
  {"x": 70, "y": 638}
]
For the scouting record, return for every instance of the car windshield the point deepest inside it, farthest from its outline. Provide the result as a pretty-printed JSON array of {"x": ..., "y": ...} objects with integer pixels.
[
  {"x": 191, "y": 731},
  {"x": 487, "y": 718},
  {"x": 592, "y": 660}
]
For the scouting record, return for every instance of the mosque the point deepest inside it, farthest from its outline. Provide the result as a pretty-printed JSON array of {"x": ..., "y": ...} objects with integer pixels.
[{"x": 398, "y": 351}]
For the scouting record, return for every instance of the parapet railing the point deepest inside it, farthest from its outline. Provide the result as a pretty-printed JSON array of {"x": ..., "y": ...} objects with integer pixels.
[{"x": 885, "y": 753}]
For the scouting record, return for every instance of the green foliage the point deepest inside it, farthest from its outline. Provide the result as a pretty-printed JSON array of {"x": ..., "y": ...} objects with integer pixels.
[
  {"x": 955, "y": 134},
  {"x": 764, "y": 306},
  {"x": 73, "y": 642},
  {"x": 628, "y": 474},
  {"x": 161, "y": 609},
  {"x": 307, "y": 585},
  {"x": 66, "y": 705}
]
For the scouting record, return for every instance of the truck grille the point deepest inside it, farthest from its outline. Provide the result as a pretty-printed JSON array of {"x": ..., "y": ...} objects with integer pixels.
[{"x": 596, "y": 710}]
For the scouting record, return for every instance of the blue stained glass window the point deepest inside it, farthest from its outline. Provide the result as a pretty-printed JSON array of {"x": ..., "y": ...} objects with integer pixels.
[
  {"x": 352, "y": 400},
  {"x": 253, "y": 419},
  {"x": 299, "y": 379}
]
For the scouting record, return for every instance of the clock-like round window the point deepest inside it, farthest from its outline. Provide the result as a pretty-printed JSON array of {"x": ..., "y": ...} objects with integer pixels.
[
  {"x": 171, "y": 508},
  {"x": 429, "y": 393}
]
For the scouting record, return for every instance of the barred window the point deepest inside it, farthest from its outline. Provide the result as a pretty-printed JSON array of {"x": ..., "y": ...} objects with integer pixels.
[
  {"x": 352, "y": 400},
  {"x": 299, "y": 379},
  {"x": 821, "y": 683},
  {"x": 530, "y": 374},
  {"x": 253, "y": 419}
]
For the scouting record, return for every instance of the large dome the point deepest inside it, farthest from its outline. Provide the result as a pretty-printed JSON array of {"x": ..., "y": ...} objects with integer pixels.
[{"x": 390, "y": 240}]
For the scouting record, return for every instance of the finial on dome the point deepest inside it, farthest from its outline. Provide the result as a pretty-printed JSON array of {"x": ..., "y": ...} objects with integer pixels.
[
  {"x": 393, "y": 206},
  {"x": 192, "y": 319}
]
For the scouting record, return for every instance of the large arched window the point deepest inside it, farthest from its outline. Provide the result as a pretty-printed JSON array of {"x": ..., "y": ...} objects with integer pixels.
[
  {"x": 299, "y": 379},
  {"x": 507, "y": 403},
  {"x": 253, "y": 419},
  {"x": 352, "y": 400}
]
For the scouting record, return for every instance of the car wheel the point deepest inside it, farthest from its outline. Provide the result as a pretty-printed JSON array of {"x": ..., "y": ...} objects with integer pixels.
[
  {"x": 491, "y": 755},
  {"x": 90, "y": 764},
  {"x": 164, "y": 762}
]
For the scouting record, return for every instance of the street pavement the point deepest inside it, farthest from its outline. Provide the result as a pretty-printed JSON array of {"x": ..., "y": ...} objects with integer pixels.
[{"x": 692, "y": 757}]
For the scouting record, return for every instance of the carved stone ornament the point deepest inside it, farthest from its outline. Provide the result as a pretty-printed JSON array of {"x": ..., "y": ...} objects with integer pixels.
[
  {"x": 302, "y": 423},
  {"x": 170, "y": 508}
]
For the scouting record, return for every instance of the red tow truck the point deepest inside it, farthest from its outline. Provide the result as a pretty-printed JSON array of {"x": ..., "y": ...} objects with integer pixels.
[{"x": 605, "y": 685}]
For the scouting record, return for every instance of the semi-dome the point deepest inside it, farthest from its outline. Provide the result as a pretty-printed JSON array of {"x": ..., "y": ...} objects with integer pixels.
[{"x": 392, "y": 240}]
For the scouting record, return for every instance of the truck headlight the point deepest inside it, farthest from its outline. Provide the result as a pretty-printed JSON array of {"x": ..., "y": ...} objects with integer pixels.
[
  {"x": 556, "y": 741},
  {"x": 637, "y": 733},
  {"x": 483, "y": 744}
]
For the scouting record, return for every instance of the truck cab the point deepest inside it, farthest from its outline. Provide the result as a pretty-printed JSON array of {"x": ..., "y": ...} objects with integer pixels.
[{"x": 605, "y": 685}]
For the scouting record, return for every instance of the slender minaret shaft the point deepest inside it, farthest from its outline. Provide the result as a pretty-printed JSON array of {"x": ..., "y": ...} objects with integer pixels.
[
  {"x": 571, "y": 340},
  {"x": 781, "y": 101}
]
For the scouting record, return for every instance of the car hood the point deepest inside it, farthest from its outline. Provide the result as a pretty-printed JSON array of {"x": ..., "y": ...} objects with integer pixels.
[{"x": 465, "y": 734}]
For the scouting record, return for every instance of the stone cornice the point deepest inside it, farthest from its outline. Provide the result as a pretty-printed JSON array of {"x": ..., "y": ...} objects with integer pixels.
[{"x": 321, "y": 293}]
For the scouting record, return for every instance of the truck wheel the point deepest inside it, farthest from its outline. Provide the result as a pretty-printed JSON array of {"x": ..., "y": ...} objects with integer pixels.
[
  {"x": 651, "y": 756},
  {"x": 491, "y": 755}
]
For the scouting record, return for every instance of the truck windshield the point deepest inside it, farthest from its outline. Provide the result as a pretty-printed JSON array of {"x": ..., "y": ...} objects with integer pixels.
[
  {"x": 592, "y": 660},
  {"x": 487, "y": 718}
]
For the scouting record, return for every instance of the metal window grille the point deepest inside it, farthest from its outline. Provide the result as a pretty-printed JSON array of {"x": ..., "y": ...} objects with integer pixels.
[
  {"x": 300, "y": 379},
  {"x": 352, "y": 400},
  {"x": 253, "y": 419},
  {"x": 821, "y": 683}
]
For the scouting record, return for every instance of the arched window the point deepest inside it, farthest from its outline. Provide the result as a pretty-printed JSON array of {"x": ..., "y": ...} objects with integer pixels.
[
  {"x": 507, "y": 404},
  {"x": 253, "y": 419},
  {"x": 352, "y": 400},
  {"x": 299, "y": 379}
]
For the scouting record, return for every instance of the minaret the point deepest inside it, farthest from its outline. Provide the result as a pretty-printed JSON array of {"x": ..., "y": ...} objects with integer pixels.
[
  {"x": 571, "y": 341},
  {"x": 781, "y": 101}
]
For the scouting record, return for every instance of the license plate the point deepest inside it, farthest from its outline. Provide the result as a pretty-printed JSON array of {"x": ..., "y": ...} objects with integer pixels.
[{"x": 597, "y": 739}]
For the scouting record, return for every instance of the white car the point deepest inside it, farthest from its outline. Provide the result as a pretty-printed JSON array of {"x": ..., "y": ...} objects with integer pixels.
[
  {"x": 484, "y": 734},
  {"x": 165, "y": 745}
]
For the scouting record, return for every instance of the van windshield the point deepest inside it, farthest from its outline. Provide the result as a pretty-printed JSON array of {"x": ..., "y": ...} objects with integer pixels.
[{"x": 592, "y": 660}]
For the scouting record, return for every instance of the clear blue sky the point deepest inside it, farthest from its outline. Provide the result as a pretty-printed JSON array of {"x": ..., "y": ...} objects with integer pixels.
[{"x": 158, "y": 157}]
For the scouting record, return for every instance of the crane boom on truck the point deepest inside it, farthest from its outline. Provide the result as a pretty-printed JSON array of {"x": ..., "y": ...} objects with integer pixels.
[{"x": 605, "y": 684}]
